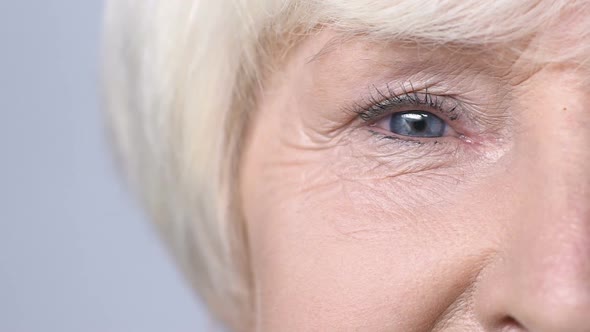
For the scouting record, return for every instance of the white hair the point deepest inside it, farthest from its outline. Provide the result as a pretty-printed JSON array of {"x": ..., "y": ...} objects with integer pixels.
[{"x": 180, "y": 79}]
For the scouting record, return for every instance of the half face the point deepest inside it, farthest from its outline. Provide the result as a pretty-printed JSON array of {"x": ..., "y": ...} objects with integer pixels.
[{"x": 397, "y": 187}]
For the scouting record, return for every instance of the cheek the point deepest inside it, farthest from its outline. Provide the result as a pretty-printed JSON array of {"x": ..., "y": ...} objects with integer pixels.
[
  {"x": 340, "y": 240},
  {"x": 325, "y": 260}
]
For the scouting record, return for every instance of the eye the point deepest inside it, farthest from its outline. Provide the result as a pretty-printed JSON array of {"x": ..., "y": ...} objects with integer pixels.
[{"x": 414, "y": 124}]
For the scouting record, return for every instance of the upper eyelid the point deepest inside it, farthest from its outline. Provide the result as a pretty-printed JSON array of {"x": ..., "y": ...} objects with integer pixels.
[
  {"x": 388, "y": 101},
  {"x": 475, "y": 111}
]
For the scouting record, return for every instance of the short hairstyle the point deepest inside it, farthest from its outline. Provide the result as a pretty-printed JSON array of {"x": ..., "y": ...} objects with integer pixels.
[{"x": 180, "y": 80}]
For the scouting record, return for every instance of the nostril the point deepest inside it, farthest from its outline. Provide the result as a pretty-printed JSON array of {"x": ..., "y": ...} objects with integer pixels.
[{"x": 509, "y": 324}]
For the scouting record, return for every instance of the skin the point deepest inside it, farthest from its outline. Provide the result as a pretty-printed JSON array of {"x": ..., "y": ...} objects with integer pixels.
[{"x": 486, "y": 229}]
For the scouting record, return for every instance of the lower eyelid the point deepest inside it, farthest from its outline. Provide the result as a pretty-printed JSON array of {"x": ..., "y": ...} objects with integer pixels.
[
  {"x": 394, "y": 137},
  {"x": 396, "y": 149}
]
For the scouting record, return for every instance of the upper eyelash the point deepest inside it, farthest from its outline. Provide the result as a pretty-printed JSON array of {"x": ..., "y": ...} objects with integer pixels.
[{"x": 389, "y": 99}]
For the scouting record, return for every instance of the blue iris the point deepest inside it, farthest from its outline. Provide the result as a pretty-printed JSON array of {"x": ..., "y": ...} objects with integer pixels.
[{"x": 417, "y": 124}]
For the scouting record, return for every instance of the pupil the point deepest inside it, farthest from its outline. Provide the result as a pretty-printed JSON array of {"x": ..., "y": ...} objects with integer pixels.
[{"x": 419, "y": 125}]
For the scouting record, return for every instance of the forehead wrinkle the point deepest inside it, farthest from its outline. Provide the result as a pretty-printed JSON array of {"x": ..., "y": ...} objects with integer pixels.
[
  {"x": 468, "y": 21},
  {"x": 505, "y": 24}
]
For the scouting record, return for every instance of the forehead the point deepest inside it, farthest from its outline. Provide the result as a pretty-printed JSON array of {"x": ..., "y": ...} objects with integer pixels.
[{"x": 546, "y": 31}]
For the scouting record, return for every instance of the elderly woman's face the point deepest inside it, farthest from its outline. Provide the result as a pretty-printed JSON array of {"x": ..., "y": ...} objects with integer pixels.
[{"x": 391, "y": 187}]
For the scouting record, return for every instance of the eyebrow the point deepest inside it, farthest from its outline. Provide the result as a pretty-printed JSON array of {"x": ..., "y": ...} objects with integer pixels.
[
  {"x": 408, "y": 56},
  {"x": 462, "y": 24},
  {"x": 340, "y": 40}
]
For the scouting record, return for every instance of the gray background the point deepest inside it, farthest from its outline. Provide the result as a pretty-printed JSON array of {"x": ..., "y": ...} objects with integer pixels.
[{"x": 75, "y": 252}]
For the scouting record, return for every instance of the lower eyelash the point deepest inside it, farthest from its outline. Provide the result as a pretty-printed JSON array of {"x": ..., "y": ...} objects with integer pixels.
[{"x": 404, "y": 140}]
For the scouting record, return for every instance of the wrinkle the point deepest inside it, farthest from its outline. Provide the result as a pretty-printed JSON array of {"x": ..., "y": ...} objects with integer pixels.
[{"x": 460, "y": 312}]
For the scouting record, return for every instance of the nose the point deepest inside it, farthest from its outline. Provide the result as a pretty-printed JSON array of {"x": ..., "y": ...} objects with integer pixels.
[{"x": 540, "y": 279}]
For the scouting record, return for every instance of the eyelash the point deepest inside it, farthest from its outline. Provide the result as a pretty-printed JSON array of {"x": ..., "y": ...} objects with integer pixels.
[{"x": 389, "y": 102}]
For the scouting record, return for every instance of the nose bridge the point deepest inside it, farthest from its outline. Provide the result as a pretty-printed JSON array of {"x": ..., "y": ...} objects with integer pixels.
[
  {"x": 562, "y": 164},
  {"x": 550, "y": 252}
]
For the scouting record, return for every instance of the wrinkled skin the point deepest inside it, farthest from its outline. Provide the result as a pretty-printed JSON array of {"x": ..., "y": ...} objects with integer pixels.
[{"x": 486, "y": 229}]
